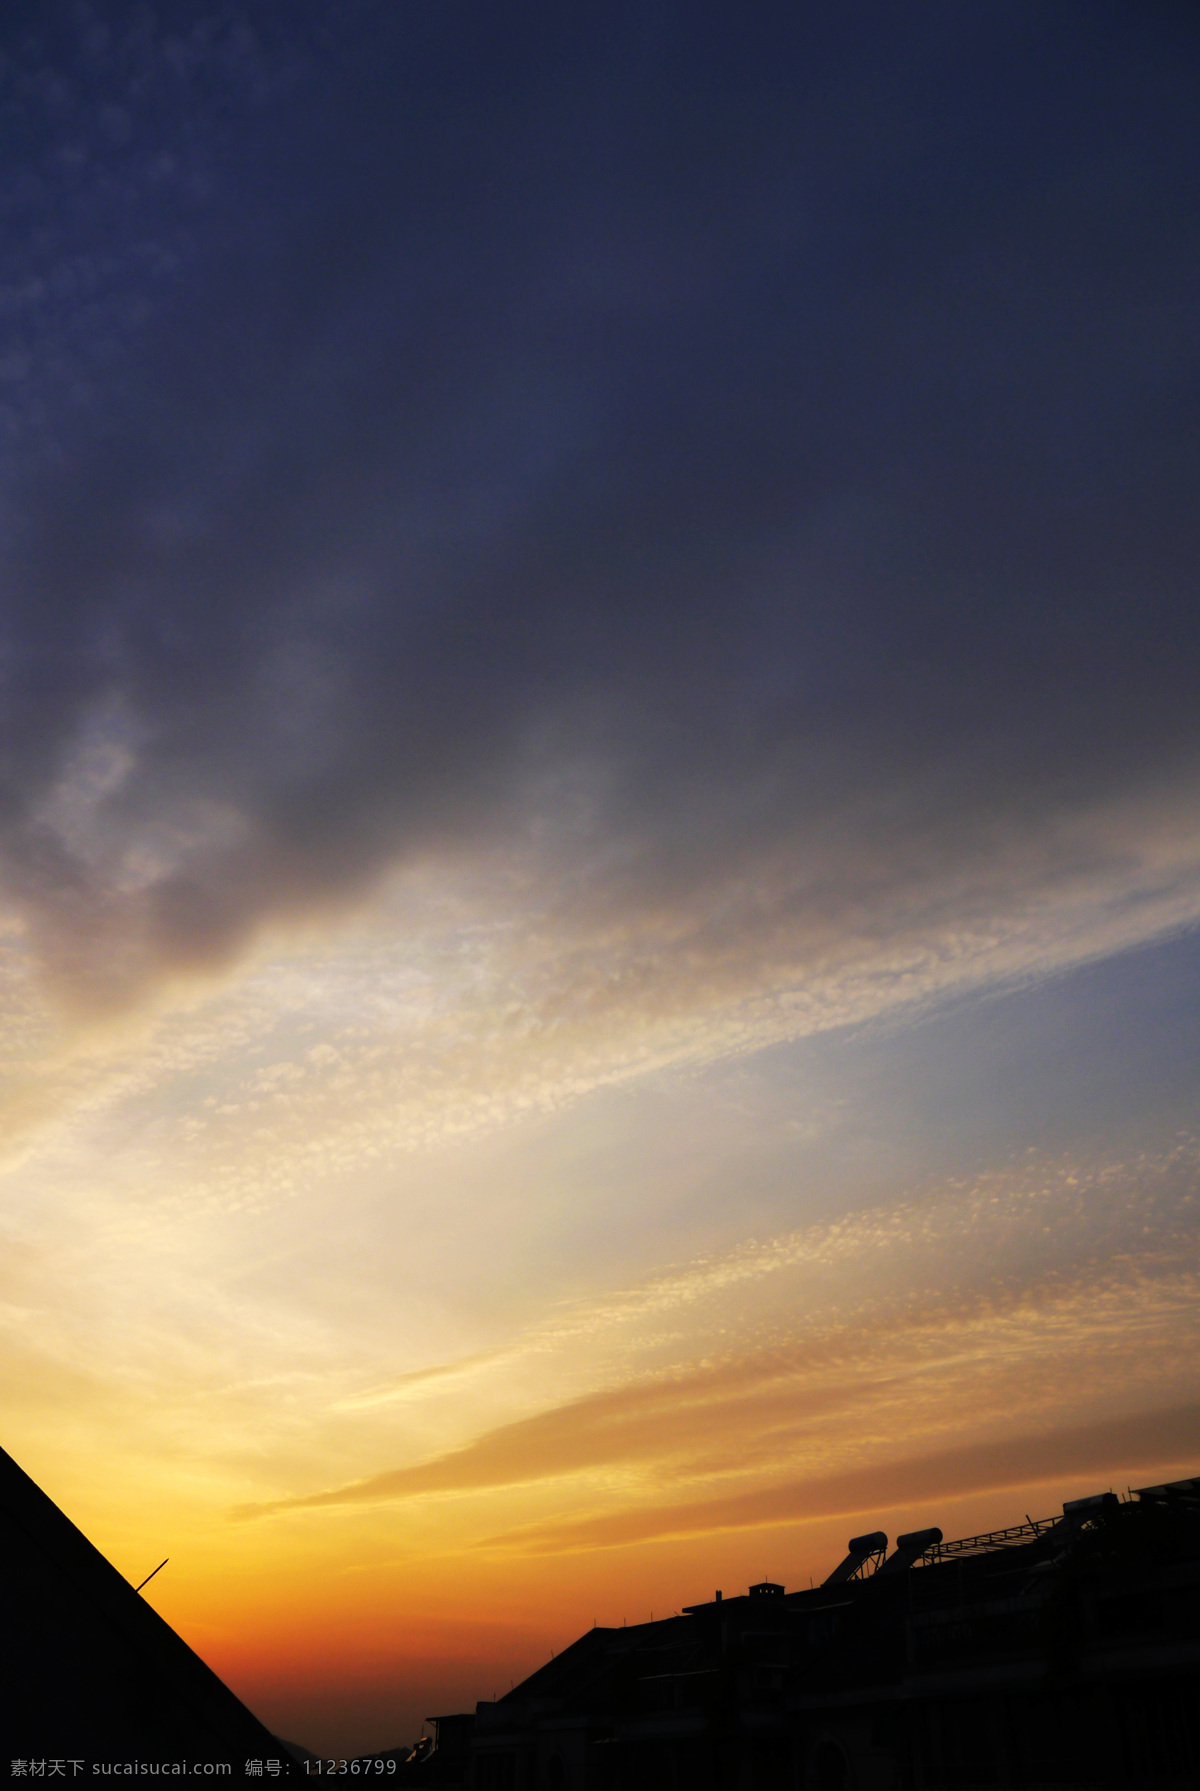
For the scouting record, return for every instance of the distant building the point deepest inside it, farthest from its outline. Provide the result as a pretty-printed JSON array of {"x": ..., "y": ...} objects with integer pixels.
[{"x": 1061, "y": 1655}]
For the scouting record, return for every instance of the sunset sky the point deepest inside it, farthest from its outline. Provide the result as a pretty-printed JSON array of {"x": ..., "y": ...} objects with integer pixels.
[{"x": 599, "y": 802}]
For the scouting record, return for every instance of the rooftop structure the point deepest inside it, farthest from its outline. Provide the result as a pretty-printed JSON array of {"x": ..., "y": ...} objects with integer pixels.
[{"x": 1060, "y": 1652}]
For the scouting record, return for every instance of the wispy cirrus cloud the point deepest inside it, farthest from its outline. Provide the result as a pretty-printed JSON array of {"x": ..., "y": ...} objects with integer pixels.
[
  {"x": 445, "y": 1013},
  {"x": 913, "y": 1317},
  {"x": 1135, "y": 1442}
]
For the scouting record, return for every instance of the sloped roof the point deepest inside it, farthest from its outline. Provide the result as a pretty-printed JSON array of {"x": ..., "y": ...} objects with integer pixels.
[{"x": 96, "y": 1673}]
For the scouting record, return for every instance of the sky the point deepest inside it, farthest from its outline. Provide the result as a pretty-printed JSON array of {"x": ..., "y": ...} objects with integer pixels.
[{"x": 599, "y": 803}]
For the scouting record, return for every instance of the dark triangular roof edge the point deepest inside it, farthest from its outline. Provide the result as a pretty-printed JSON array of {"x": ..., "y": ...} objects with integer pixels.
[{"x": 95, "y": 1580}]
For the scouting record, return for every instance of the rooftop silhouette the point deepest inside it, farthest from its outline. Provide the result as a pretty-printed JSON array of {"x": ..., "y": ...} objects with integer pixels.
[{"x": 96, "y": 1674}]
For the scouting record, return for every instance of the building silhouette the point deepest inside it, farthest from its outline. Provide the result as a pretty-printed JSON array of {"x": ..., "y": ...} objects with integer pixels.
[
  {"x": 1056, "y": 1655},
  {"x": 94, "y": 1675}
]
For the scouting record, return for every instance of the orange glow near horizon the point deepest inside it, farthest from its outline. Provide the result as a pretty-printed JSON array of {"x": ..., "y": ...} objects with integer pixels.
[{"x": 347, "y": 1662}]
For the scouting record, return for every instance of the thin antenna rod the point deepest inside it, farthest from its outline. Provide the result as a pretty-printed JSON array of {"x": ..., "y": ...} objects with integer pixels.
[{"x": 150, "y": 1576}]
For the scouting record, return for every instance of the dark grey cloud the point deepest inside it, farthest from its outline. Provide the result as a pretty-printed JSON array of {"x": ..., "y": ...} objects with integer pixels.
[{"x": 778, "y": 418}]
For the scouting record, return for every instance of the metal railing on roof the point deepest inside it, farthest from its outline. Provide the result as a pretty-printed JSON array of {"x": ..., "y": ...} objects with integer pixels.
[{"x": 1015, "y": 1536}]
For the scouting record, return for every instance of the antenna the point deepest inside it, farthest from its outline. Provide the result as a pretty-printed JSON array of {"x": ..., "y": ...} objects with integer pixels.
[{"x": 150, "y": 1576}]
